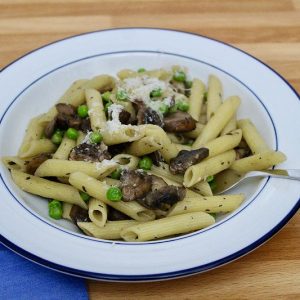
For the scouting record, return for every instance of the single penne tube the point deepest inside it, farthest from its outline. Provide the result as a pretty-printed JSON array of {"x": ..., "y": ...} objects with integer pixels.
[
  {"x": 213, "y": 204},
  {"x": 100, "y": 83},
  {"x": 230, "y": 126},
  {"x": 66, "y": 211},
  {"x": 218, "y": 121},
  {"x": 65, "y": 98},
  {"x": 97, "y": 189},
  {"x": 124, "y": 133},
  {"x": 214, "y": 95},
  {"x": 97, "y": 212},
  {"x": 224, "y": 143},
  {"x": 167, "y": 227},
  {"x": 36, "y": 147},
  {"x": 63, "y": 168},
  {"x": 96, "y": 109},
  {"x": 33, "y": 132},
  {"x": 144, "y": 146},
  {"x": 168, "y": 150},
  {"x": 64, "y": 148},
  {"x": 260, "y": 161},
  {"x": 208, "y": 167},
  {"x": 126, "y": 161},
  {"x": 196, "y": 132},
  {"x": 14, "y": 163},
  {"x": 110, "y": 231},
  {"x": 252, "y": 137},
  {"x": 46, "y": 188},
  {"x": 196, "y": 98}
]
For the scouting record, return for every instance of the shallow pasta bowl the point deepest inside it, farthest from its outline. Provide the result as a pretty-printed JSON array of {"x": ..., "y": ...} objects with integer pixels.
[{"x": 33, "y": 83}]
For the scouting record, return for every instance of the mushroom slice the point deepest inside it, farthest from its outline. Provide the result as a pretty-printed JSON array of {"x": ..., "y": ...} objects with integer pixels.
[
  {"x": 146, "y": 115},
  {"x": 163, "y": 198},
  {"x": 135, "y": 185},
  {"x": 124, "y": 117},
  {"x": 49, "y": 130},
  {"x": 78, "y": 214},
  {"x": 36, "y": 161},
  {"x": 157, "y": 183},
  {"x": 156, "y": 158},
  {"x": 185, "y": 159},
  {"x": 86, "y": 125},
  {"x": 89, "y": 152},
  {"x": 179, "y": 122},
  {"x": 66, "y": 109}
]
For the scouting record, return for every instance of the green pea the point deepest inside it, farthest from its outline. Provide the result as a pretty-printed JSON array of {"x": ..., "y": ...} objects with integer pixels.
[
  {"x": 96, "y": 137},
  {"x": 56, "y": 138},
  {"x": 145, "y": 163},
  {"x": 188, "y": 84},
  {"x": 141, "y": 70},
  {"x": 84, "y": 196},
  {"x": 156, "y": 93},
  {"x": 106, "y": 96},
  {"x": 164, "y": 108},
  {"x": 116, "y": 174},
  {"x": 114, "y": 194},
  {"x": 213, "y": 184},
  {"x": 122, "y": 95},
  {"x": 55, "y": 209},
  {"x": 72, "y": 133},
  {"x": 179, "y": 76},
  {"x": 183, "y": 106},
  {"x": 82, "y": 111},
  {"x": 107, "y": 105},
  {"x": 210, "y": 178}
]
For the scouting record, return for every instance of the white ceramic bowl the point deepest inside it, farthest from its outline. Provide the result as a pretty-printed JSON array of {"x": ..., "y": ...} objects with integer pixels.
[{"x": 32, "y": 84}]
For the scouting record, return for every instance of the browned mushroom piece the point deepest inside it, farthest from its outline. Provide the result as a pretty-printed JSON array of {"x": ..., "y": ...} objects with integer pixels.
[
  {"x": 242, "y": 152},
  {"x": 146, "y": 115},
  {"x": 185, "y": 159},
  {"x": 86, "y": 125},
  {"x": 135, "y": 185},
  {"x": 179, "y": 122},
  {"x": 124, "y": 117},
  {"x": 163, "y": 198},
  {"x": 89, "y": 152},
  {"x": 117, "y": 148},
  {"x": 78, "y": 214},
  {"x": 156, "y": 158},
  {"x": 66, "y": 109},
  {"x": 49, "y": 130},
  {"x": 36, "y": 161},
  {"x": 115, "y": 215}
]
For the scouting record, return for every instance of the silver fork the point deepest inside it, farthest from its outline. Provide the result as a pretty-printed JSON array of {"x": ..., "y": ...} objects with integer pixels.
[{"x": 223, "y": 184}]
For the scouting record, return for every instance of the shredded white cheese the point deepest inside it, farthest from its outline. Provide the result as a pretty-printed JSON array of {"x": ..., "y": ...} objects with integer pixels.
[{"x": 114, "y": 124}]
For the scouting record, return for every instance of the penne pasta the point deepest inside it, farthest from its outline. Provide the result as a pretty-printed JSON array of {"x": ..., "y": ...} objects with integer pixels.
[
  {"x": 111, "y": 230},
  {"x": 36, "y": 147},
  {"x": 214, "y": 95},
  {"x": 208, "y": 167},
  {"x": 64, "y": 149},
  {"x": 167, "y": 227},
  {"x": 218, "y": 121},
  {"x": 213, "y": 204},
  {"x": 63, "y": 168},
  {"x": 46, "y": 188},
  {"x": 260, "y": 161},
  {"x": 144, "y": 146},
  {"x": 97, "y": 212},
  {"x": 196, "y": 98}
]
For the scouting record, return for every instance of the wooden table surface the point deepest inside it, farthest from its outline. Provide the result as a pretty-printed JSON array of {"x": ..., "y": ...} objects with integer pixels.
[{"x": 270, "y": 30}]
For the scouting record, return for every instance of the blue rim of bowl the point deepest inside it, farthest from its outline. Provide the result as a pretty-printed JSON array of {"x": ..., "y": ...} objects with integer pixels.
[{"x": 169, "y": 275}]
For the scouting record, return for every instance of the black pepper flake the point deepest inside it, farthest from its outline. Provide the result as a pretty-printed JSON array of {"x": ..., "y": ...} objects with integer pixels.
[
  {"x": 185, "y": 208},
  {"x": 228, "y": 162},
  {"x": 259, "y": 157},
  {"x": 67, "y": 174},
  {"x": 224, "y": 198},
  {"x": 204, "y": 198},
  {"x": 27, "y": 178},
  {"x": 207, "y": 210},
  {"x": 220, "y": 205},
  {"x": 11, "y": 163},
  {"x": 84, "y": 189},
  {"x": 222, "y": 163}
]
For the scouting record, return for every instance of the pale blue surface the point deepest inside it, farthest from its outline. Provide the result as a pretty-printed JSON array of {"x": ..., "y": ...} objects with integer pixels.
[{"x": 21, "y": 279}]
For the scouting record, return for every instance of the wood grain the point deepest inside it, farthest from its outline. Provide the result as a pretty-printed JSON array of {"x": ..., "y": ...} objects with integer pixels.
[{"x": 269, "y": 30}]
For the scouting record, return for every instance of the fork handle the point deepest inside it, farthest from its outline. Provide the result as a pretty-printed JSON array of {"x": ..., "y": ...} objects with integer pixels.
[{"x": 293, "y": 174}]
